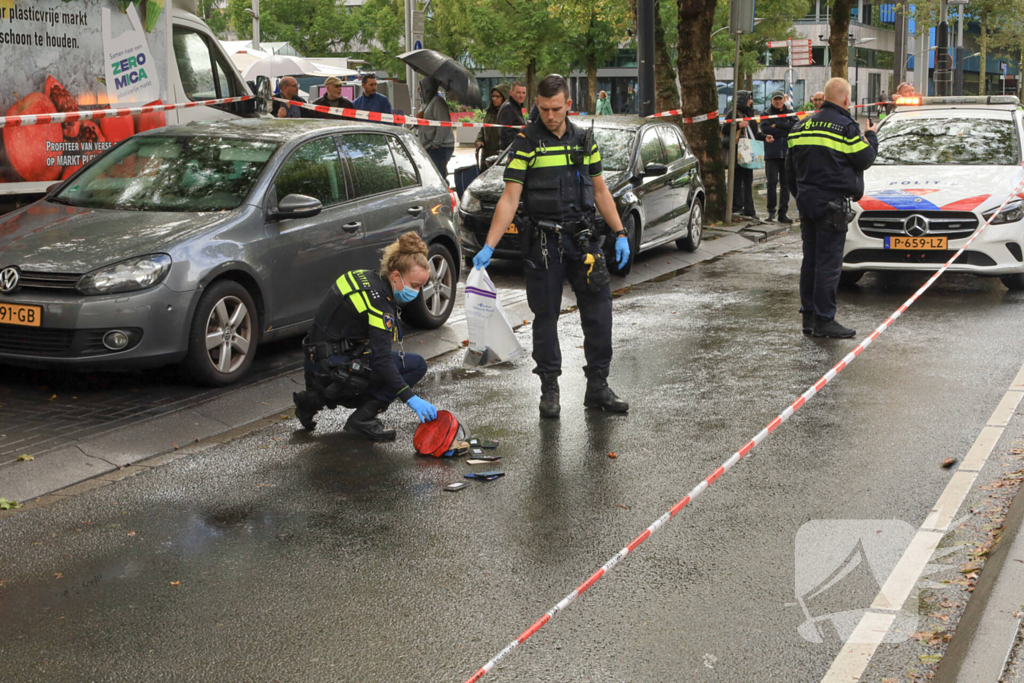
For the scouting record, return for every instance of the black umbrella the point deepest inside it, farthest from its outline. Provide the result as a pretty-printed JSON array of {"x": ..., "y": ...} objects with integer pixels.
[{"x": 450, "y": 75}]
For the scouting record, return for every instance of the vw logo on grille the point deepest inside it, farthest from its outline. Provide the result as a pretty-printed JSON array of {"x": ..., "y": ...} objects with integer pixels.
[
  {"x": 8, "y": 279},
  {"x": 916, "y": 225}
]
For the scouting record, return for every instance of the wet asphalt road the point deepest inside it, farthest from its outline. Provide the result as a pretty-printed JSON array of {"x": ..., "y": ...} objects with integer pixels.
[{"x": 294, "y": 557}]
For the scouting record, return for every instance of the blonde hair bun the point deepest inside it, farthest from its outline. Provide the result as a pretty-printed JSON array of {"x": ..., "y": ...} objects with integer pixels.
[{"x": 404, "y": 254}]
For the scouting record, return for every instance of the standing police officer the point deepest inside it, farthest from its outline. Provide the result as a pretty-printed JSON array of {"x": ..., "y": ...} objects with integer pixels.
[
  {"x": 349, "y": 360},
  {"x": 825, "y": 169},
  {"x": 556, "y": 167}
]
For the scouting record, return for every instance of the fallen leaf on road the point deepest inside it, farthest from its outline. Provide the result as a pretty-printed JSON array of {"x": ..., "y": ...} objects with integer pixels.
[
  {"x": 175, "y": 446},
  {"x": 264, "y": 403},
  {"x": 175, "y": 583},
  {"x": 612, "y": 454},
  {"x": 58, "y": 575},
  {"x": 25, "y": 458},
  {"x": 8, "y": 504},
  {"x": 131, "y": 534},
  {"x": 621, "y": 506},
  {"x": 53, "y": 397},
  {"x": 931, "y": 659},
  {"x": 948, "y": 462}
]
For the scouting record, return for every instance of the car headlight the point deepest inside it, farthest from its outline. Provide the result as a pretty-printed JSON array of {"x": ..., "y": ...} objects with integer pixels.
[
  {"x": 1011, "y": 213},
  {"x": 131, "y": 275},
  {"x": 470, "y": 203}
]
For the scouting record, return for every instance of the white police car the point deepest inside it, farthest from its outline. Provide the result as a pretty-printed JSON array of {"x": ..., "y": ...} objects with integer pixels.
[{"x": 944, "y": 165}]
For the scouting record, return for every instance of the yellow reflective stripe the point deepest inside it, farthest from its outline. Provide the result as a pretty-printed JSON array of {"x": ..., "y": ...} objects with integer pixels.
[
  {"x": 375, "y": 321},
  {"x": 518, "y": 165},
  {"x": 815, "y": 141},
  {"x": 357, "y": 301},
  {"x": 835, "y": 136},
  {"x": 370, "y": 306},
  {"x": 551, "y": 161},
  {"x": 345, "y": 284},
  {"x": 525, "y": 155},
  {"x": 592, "y": 158}
]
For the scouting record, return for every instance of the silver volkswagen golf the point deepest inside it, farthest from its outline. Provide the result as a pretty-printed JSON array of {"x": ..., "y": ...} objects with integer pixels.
[{"x": 195, "y": 243}]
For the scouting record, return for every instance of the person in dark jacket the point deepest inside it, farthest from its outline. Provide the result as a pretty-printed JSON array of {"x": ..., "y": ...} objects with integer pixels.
[
  {"x": 775, "y": 156},
  {"x": 489, "y": 139},
  {"x": 743, "y": 192},
  {"x": 511, "y": 114},
  {"x": 288, "y": 89},
  {"x": 439, "y": 141},
  {"x": 332, "y": 98},
  {"x": 825, "y": 169},
  {"x": 349, "y": 360}
]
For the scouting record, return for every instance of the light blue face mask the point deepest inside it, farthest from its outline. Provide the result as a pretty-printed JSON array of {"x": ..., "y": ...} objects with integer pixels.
[{"x": 406, "y": 294}]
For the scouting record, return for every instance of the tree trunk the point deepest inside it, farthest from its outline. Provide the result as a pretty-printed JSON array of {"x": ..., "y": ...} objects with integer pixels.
[
  {"x": 531, "y": 83},
  {"x": 838, "y": 39},
  {"x": 700, "y": 96},
  {"x": 984, "y": 52},
  {"x": 591, "y": 85},
  {"x": 666, "y": 90}
]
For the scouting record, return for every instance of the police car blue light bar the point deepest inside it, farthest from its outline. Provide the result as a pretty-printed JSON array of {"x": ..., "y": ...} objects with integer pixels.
[{"x": 917, "y": 100}]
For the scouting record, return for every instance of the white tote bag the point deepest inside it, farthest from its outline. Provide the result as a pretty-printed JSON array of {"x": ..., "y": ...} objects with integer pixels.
[
  {"x": 491, "y": 339},
  {"x": 749, "y": 151}
]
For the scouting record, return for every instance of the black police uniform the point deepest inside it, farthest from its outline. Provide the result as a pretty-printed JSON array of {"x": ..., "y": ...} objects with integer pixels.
[
  {"x": 558, "y": 190},
  {"x": 349, "y": 360},
  {"x": 825, "y": 168}
]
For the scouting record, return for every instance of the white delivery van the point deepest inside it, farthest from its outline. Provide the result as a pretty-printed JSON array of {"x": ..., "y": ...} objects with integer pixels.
[{"x": 66, "y": 55}]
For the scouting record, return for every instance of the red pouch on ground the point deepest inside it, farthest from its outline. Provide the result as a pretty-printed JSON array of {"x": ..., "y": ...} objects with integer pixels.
[{"x": 435, "y": 438}]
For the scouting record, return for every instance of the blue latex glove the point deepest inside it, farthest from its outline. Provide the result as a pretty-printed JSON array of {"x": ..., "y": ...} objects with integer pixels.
[
  {"x": 483, "y": 257},
  {"x": 425, "y": 411},
  {"x": 621, "y": 251}
]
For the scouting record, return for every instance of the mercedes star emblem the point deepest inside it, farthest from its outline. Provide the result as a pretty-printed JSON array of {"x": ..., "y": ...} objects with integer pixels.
[
  {"x": 916, "y": 225},
  {"x": 8, "y": 279}
]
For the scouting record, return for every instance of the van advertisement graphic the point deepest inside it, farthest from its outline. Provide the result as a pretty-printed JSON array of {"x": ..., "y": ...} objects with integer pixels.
[{"x": 69, "y": 55}]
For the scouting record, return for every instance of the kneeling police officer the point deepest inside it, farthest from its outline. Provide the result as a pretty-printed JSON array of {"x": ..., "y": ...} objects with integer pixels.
[{"x": 349, "y": 360}]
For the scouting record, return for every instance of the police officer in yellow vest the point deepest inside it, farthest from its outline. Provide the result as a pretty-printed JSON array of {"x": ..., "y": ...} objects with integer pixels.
[
  {"x": 556, "y": 168},
  {"x": 349, "y": 360}
]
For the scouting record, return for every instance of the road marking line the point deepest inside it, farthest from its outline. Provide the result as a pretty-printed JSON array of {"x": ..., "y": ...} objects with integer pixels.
[
  {"x": 859, "y": 649},
  {"x": 982, "y": 448},
  {"x": 856, "y": 653},
  {"x": 1004, "y": 411},
  {"x": 945, "y": 509},
  {"x": 904, "y": 575}
]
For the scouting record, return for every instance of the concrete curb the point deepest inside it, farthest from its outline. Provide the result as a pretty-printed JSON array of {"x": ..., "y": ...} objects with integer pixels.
[
  {"x": 88, "y": 463},
  {"x": 988, "y": 628}
]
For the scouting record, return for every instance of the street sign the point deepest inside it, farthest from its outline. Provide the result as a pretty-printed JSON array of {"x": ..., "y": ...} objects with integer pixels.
[
  {"x": 956, "y": 2},
  {"x": 418, "y": 45},
  {"x": 803, "y": 62},
  {"x": 778, "y": 43},
  {"x": 741, "y": 17}
]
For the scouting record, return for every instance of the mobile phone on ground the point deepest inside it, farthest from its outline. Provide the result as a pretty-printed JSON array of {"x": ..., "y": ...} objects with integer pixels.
[{"x": 458, "y": 486}]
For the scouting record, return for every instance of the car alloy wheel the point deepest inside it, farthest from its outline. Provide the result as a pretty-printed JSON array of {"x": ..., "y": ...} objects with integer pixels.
[
  {"x": 228, "y": 334},
  {"x": 695, "y": 231},
  {"x": 438, "y": 291}
]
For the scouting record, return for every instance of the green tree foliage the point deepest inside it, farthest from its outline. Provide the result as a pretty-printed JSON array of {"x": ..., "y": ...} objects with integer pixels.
[
  {"x": 778, "y": 17},
  {"x": 593, "y": 30},
  {"x": 313, "y": 27}
]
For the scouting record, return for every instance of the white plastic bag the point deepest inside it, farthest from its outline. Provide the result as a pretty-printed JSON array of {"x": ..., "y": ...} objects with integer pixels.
[{"x": 491, "y": 339}]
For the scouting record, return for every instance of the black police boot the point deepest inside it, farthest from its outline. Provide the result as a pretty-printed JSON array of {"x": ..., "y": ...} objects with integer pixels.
[
  {"x": 600, "y": 395},
  {"x": 808, "y": 322},
  {"x": 307, "y": 405},
  {"x": 783, "y": 218},
  {"x": 364, "y": 422},
  {"x": 771, "y": 217},
  {"x": 830, "y": 328},
  {"x": 549, "y": 395}
]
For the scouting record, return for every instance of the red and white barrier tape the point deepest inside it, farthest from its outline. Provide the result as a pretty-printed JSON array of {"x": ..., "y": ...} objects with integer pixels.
[
  {"x": 377, "y": 117},
  {"x": 86, "y": 115},
  {"x": 738, "y": 455},
  {"x": 714, "y": 114}
]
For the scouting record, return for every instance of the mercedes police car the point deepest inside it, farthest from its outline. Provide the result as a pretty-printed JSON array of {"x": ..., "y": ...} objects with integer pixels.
[{"x": 944, "y": 166}]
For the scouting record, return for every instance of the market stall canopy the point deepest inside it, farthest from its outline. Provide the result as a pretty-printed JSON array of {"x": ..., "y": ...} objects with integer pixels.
[
  {"x": 451, "y": 75},
  {"x": 243, "y": 59},
  {"x": 275, "y": 66}
]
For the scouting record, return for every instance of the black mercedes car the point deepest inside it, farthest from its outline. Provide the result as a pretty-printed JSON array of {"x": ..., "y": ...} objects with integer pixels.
[{"x": 650, "y": 171}]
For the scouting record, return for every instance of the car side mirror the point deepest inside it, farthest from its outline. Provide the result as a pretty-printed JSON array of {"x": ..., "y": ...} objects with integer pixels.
[
  {"x": 653, "y": 170},
  {"x": 296, "y": 206}
]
